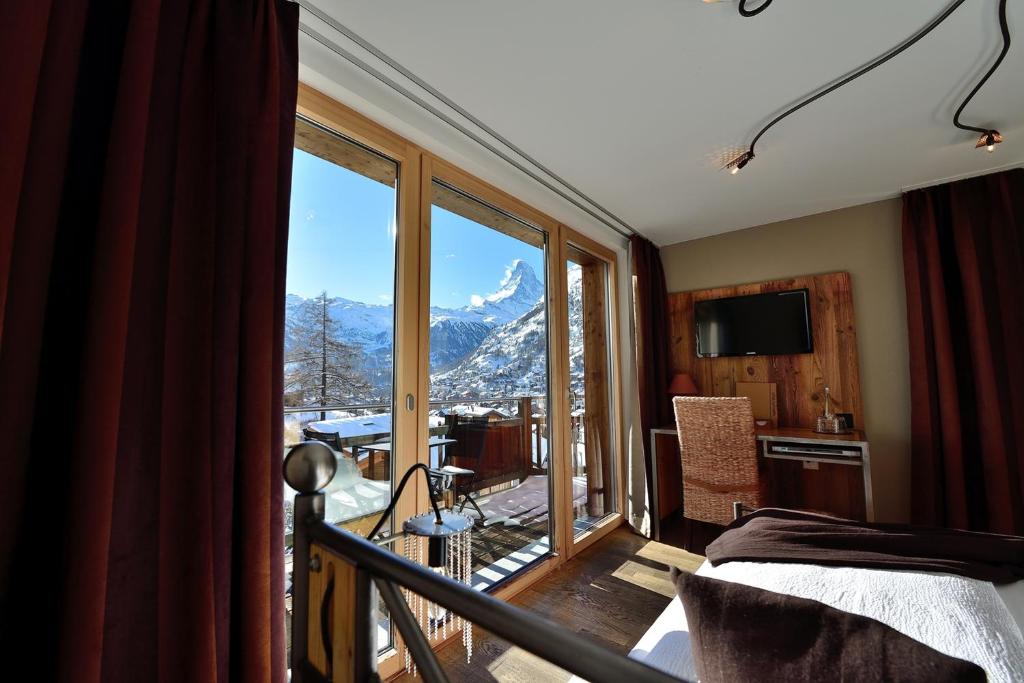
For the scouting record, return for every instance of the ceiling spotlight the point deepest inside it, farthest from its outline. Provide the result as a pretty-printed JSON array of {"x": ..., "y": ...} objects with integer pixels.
[
  {"x": 739, "y": 162},
  {"x": 989, "y": 140}
]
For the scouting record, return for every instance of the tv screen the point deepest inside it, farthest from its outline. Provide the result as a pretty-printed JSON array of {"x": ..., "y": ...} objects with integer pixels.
[{"x": 775, "y": 323}]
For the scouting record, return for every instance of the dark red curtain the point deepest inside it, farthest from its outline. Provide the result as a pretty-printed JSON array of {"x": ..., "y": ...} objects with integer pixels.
[
  {"x": 653, "y": 344},
  {"x": 144, "y": 189},
  {"x": 963, "y": 253}
]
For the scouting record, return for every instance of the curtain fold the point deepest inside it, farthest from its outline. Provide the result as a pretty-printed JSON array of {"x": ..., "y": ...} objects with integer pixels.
[
  {"x": 143, "y": 233},
  {"x": 653, "y": 346},
  {"x": 963, "y": 252}
]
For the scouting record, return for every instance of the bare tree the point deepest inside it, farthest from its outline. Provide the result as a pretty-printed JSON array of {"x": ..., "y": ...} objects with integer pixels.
[{"x": 320, "y": 368}]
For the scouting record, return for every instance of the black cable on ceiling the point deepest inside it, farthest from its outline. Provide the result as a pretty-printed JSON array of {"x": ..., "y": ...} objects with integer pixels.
[
  {"x": 742, "y": 160},
  {"x": 990, "y": 136},
  {"x": 753, "y": 12}
]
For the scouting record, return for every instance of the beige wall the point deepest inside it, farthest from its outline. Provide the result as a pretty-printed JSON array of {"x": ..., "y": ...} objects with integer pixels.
[{"x": 865, "y": 241}]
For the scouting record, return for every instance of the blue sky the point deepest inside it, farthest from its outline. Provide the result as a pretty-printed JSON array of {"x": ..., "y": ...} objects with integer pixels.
[{"x": 341, "y": 238}]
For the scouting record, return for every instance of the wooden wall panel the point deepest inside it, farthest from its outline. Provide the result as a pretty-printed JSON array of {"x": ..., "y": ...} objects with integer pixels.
[{"x": 800, "y": 378}]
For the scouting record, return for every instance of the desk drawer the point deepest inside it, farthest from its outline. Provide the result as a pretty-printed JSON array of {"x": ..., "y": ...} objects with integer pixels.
[{"x": 834, "y": 487}]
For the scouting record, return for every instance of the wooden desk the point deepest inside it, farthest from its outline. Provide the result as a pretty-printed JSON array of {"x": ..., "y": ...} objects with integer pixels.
[{"x": 820, "y": 482}]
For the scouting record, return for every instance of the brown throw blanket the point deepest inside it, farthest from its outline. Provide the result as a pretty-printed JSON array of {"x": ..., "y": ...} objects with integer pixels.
[{"x": 776, "y": 535}]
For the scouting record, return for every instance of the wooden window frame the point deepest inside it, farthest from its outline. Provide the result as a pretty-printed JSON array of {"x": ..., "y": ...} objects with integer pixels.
[
  {"x": 417, "y": 170},
  {"x": 571, "y": 239}
]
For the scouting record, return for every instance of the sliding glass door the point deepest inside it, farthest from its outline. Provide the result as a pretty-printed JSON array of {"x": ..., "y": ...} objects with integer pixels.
[
  {"x": 488, "y": 386},
  {"x": 340, "y": 321}
]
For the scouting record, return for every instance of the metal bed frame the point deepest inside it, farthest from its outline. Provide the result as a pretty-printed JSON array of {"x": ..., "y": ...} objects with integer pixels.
[{"x": 379, "y": 569}]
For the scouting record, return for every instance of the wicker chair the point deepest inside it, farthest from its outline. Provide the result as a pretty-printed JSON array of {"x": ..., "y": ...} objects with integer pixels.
[{"x": 719, "y": 457}]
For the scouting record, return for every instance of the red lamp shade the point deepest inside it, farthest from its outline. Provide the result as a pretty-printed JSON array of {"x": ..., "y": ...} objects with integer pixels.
[{"x": 682, "y": 385}]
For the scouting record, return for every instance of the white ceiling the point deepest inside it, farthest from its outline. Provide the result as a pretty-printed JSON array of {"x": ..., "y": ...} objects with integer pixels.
[{"x": 638, "y": 104}]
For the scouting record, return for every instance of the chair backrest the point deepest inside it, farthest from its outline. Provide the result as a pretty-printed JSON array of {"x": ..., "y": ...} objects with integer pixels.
[
  {"x": 719, "y": 456},
  {"x": 494, "y": 450},
  {"x": 329, "y": 438}
]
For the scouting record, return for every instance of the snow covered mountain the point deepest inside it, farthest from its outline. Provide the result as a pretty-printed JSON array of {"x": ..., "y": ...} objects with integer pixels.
[
  {"x": 452, "y": 339},
  {"x": 519, "y": 292},
  {"x": 455, "y": 334},
  {"x": 512, "y": 359}
]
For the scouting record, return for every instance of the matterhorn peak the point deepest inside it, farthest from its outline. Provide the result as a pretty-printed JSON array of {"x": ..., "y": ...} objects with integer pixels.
[{"x": 518, "y": 292}]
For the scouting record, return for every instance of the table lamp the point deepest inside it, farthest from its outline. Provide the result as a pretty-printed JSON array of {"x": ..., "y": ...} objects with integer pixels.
[
  {"x": 444, "y": 539},
  {"x": 682, "y": 385}
]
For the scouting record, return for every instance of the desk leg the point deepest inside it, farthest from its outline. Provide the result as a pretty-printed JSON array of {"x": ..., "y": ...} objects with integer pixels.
[
  {"x": 653, "y": 505},
  {"x": 865, "y": 465}
]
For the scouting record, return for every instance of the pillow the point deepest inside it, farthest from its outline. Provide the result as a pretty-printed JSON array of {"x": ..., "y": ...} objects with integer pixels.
[{"x": 742, "y": 633}]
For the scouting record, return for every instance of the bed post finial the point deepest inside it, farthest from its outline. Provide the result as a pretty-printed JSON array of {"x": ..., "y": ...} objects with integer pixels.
[{"x": 309, "y": 467}]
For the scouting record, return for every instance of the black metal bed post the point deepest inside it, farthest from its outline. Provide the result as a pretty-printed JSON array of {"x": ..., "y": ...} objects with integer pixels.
[{"x": 308, "y": 468}]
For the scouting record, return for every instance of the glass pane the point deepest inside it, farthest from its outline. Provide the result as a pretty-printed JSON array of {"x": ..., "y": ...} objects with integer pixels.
[
  {"x": 592, "y": 449},
  {"x": 489, "y": 379},
  {"x": 340, "y": 322}
]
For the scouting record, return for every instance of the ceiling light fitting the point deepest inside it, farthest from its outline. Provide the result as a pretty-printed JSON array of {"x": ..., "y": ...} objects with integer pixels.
[
  {"x": 989, "y": 140},
  {"x": 989, "y": 136},
  {"x": 739, "y": 162}
]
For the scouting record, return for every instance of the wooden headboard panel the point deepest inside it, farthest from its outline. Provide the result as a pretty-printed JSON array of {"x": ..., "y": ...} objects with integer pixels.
[{"x": 800, "y": 378}]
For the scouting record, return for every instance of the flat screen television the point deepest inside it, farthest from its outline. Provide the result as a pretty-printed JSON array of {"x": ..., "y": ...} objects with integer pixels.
[{"x": 775, "y": 323}]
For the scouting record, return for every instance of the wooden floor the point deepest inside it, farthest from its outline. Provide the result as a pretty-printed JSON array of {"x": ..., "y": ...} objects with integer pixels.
[{"x": 610, "y": 594}]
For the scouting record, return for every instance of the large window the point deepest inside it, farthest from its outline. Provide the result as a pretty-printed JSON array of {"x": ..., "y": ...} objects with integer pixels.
[
  {"x": 340, "y": 321},
  {"x": 433, "y": 319}
]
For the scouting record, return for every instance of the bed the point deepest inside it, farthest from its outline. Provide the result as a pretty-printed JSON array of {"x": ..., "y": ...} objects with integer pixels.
[
  {"x": 966, "y": 618},
  {"x": 959, "y": 593}
]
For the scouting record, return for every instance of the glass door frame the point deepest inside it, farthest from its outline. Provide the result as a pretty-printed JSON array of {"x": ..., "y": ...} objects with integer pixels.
[
  {"x": 435, "y": 168},
  {"x": 410, "y": 412},
  {"x": 570, "y": 239}
]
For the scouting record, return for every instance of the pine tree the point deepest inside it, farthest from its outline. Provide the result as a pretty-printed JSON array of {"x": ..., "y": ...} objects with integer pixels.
[{"x": 320, "y": 368}]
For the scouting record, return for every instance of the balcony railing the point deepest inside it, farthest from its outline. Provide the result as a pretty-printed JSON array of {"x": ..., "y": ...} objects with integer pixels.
[
  {"x": 348, "y": 407},
  {"x": 525, "y": 410},
  {"x": 534, "y": 421}
]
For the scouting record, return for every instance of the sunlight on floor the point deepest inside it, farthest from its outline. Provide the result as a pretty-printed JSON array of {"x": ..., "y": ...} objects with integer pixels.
[
  {"x": 517, "y": 664},
  {"x": 656, "y": 579},
  {"x": 670, "y": 555}
]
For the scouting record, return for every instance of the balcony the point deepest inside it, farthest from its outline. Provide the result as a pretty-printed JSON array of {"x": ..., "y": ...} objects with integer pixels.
[{"x": 502, "y": 440}]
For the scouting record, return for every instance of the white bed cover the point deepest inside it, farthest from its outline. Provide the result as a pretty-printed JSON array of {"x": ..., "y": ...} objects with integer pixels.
[{"x": 970, "y": 619}]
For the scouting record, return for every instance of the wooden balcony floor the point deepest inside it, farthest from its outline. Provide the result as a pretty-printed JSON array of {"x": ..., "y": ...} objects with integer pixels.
[
  {"x": 493, "y": 543},
  {"x": 610, "y": 593}
]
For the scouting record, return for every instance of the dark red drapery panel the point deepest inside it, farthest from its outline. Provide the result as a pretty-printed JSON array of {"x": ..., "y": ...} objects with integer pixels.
[
  {"x": 963, "y": 253},
  {"x": 144, "y": 192},
  {"x": 653, "y": 344}
]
